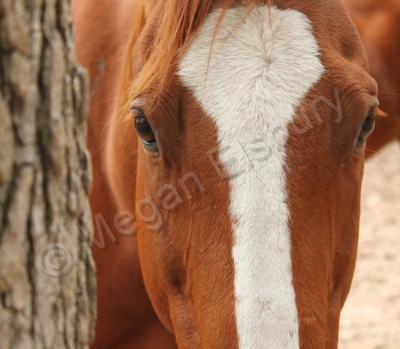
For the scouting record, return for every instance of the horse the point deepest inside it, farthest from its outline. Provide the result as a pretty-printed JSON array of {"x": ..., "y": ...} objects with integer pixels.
[
  {"x": 125, "y": 318},
  {"x": 378, "y": 22},
  {"x": 228, "y": 142}
]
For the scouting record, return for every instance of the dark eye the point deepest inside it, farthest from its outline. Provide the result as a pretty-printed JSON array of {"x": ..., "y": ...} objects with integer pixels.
[
  {"x": 366, "y": 129},
  {"x": 145, "y": 131}
]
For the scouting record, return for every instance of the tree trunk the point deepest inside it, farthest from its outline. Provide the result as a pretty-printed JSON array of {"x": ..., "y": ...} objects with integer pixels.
[{"x": 47, "y": 282}]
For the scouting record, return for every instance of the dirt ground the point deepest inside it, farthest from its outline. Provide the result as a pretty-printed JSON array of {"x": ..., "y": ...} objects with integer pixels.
[{"x": 371, "y": 318}]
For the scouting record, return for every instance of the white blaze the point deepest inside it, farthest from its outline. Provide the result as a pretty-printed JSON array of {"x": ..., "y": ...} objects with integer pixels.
[{"x": 259, "y": 72}]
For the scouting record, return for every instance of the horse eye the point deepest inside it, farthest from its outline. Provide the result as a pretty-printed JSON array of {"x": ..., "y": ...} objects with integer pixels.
[
  {"x": 145, "y": 131},
  {"x": 366, "y": 129}
]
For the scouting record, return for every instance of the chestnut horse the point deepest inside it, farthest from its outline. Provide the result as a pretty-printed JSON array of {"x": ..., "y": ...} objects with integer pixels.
[
  {"x": 228, "y": 142},
  {"x": 378, "y": 22}
]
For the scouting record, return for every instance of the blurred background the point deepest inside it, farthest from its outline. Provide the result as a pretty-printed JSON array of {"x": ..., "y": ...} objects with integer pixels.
[{"x": 371, "y": 317}]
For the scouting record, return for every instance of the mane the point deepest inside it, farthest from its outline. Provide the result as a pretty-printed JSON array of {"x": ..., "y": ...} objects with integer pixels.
[{"x": 177, "y": 24}]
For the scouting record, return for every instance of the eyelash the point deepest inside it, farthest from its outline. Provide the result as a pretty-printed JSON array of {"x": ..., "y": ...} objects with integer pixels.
[{"x": 144, "y": 131}]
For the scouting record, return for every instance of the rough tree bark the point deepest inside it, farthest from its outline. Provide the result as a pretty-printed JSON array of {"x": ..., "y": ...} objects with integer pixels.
[{"x": 47, "y": 285}]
